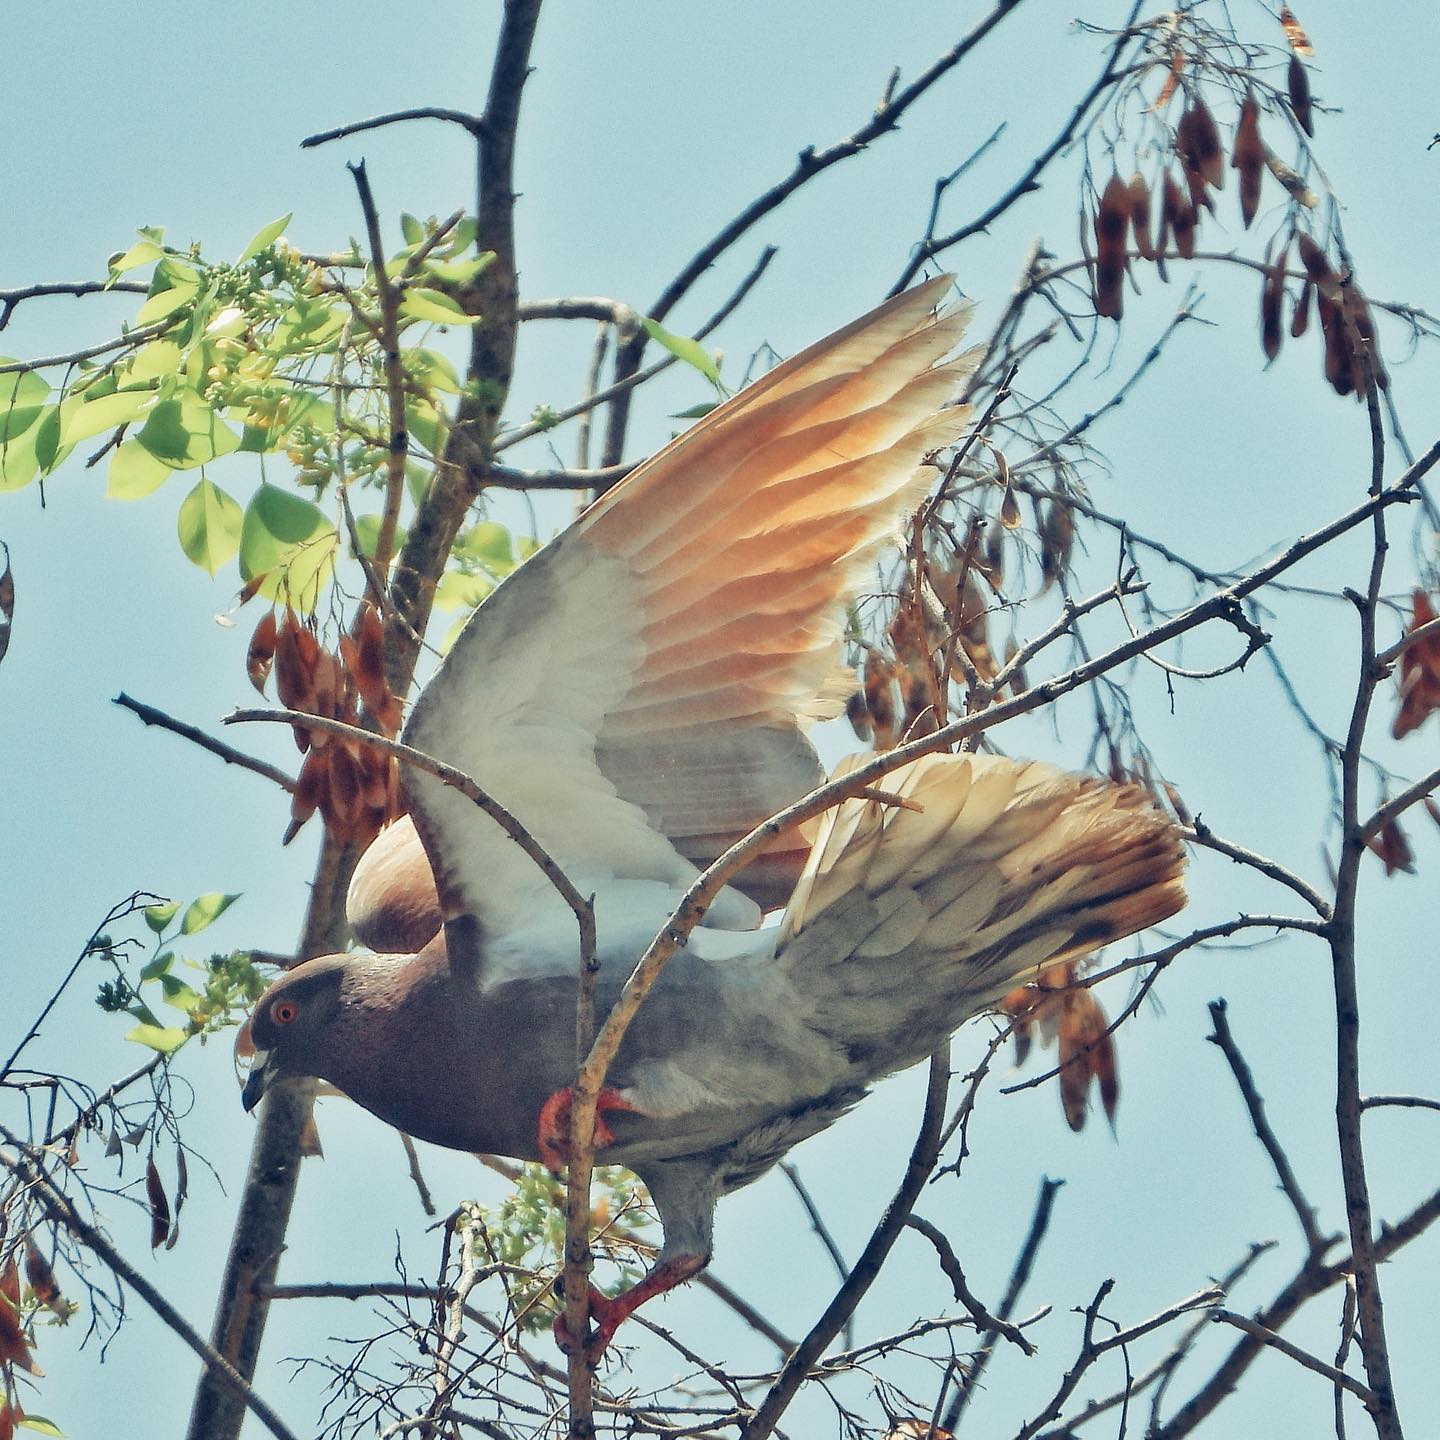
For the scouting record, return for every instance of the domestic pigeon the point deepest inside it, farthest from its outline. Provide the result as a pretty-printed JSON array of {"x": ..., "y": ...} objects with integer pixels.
[{"x": 637, "y": 694}]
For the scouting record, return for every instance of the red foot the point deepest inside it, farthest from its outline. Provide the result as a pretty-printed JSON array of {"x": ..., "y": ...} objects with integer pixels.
[
  {"x": 553, "y": 1132},
  {"x": 608, "y": 1313}
]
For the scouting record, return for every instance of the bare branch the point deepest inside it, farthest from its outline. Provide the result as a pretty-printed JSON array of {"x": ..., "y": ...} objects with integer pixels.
[
  {"x": 1393, "y": 809},
  {"x": 59, "y": 1208},
  {"x": 474, "y": 125},
  {"x": 1305, "y": 1213},
  {"x": 1302, "y": 1357},
  {"x": 950, "y": 1264},
  {"x": 151, "y": 716}
]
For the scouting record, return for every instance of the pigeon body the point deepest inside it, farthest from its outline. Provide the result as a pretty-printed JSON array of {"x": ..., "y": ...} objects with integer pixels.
[{"x": 635, "y": 694}]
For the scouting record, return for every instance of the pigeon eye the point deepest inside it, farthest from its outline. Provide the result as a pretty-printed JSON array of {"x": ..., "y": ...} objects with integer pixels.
[{"x": 285, "y": 1012}]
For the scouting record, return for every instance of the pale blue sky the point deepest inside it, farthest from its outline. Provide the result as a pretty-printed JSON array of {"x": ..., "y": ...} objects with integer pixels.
[{"x": 645, "y": 126}]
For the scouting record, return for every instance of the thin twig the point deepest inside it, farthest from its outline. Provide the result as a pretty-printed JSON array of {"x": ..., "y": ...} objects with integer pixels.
[
  {"x": 473, "y": 124},
  {"x": 950, "y": 1264},
  {"x": 1305, "y": 1212},
  {"x": 151, "y": 716},
  {"x": 1303, "y": 1357},
  {"x": 61, "y": 1210}
]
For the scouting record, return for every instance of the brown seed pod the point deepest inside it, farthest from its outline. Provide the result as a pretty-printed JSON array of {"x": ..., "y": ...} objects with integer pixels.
[
  {"x": 1138, "y": 193},
  {"x": 1112, "y": 224},
  {"x": 159, "y": 1205},
  {"x": 1272, "y": 297},
  {"x": 1248, "y": 157},
  {"x": 1010, "y": 510},
  {"x": 1300, "y": 320},
  {"x": 310, "y": 788},
  {"x": 261, "y": 654},
  {"x": 1057, "y": 539},
  {"x": 1197, "y": 141},
  {"x": 1357, "y": 311},
  {"x": 1295, "y": 32},
  {"x": 880, "y": 699},
  {"x": 1178, "y": 217},
  {"x": 1338, "y": 368},
  {"x": 1297, "y": 83}
]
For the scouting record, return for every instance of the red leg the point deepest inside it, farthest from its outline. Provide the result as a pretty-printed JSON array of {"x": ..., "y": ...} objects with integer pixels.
[
  {"x": 553, "y": 1133},
  {"x": 608, "y": 1313}
]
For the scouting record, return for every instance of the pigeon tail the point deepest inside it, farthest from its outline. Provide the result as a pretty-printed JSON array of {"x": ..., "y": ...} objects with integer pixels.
[{"x": 908, "y": 921}]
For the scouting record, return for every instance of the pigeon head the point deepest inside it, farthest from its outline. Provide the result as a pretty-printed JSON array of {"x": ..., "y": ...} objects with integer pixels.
[{"x": 295, "y": 1026}]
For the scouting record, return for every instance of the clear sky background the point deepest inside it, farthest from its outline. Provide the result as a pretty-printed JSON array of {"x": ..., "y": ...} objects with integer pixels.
[{"x": 644, "y": 127}]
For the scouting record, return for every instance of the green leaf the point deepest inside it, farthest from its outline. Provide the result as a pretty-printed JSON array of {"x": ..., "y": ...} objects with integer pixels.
[
  {"x": 490, "y": 543},
  {"x": 48, "y": 449},
  {"x": 167, "y": 1039},
  {"x": 206, "y": 911},
  {"x": 22, "y": 397},
  {"x": 19, "y": 464},
  {"x": 459, "y": 591},
  {"x": 42, "y": 1426},
  {"x": 157, "y": 917},
  {"x": 432, "y": 370},
  {"x": 265, "y": 238},
  {"x": 142, "y": 252},
  {"x": 462, "y": 237},
  {"x": 165, "y": 302},
  {"x": 697, "y": 412},
  {"x": 684, "y": 348},
  {"x": 290, "y": 542},
  {"x": 299, "y": 406},
  {"x": 134, "y": 472},
  {"x": 367, "y": 527},
  {"x": 412, "y": 230},
  {"x": 184, "y": 431},
  {"x": 160, "y": 965},
  {"x": 91, "y": 417},
  {"x": 178, "y": 994},
  {"x": 157, "y": 360},
  {"x": 459, "y": 272},
  {"x": 422, "y": 303},
  {"x": 426, "y": 424},
  {"x": 209, "y": 526}
]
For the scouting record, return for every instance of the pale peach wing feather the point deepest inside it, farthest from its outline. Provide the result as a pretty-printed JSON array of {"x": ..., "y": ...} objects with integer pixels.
[{"x": 635, "y": 693}]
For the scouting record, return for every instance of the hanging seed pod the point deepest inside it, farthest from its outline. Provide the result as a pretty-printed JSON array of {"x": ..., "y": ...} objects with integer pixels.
[
  {"x": 1300, "y": 320},
  {"x": 1248, "y": 157},
  {"x": 1112, "y": 224},
  {"x": 310, "y": 788},
  {"x": 1338, "y": 368},
  {"x": 1295, "y": 32},
  {"x": 991, "y": 561},
  {"x": 1010, "y": 510},
  {"x": 1138, "y": 193},
  {"x": 344, "y": 798},
  {"x": 261, "y": 654},
  {"x": 1357, "y": 310},
  {"x": 1178, "y": 217},
  {"x": 1297, "y": 83},
  {"x": 1197, "y": 142},
  {"x": 858, "y": 714},
  {"x": 880, "y": 699},
  {"x": 159, "y": 1205},
  {"x": 1057, "y": 539},
  {"x": 1272, "y": 297},
  {"x": 1172, "y": 80},
  {"x": 1317, "y": 266}
]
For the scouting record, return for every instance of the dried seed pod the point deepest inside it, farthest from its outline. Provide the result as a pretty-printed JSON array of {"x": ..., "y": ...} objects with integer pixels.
[
  {"x": 1338, "y": 367},
  {"x": 858, "y": 714},
  {"x": 1172, "y": 80},
  {"x": 1300, "y": 320},
  {"x": 1248, "y": 157},
  {"x": 1010, "y": 510},
  {"x": 880, "y": 699},
  {"x": 1085, "y": 1051},
  {"x": 1367, "y": 351},
  {"x": 1419, "y": 676},
  {"x": 1272, "y": 297},
  {"x": 1317, "y": 266},
  {"x": 1297, "y": 84},
  {"x": 310, "y": 788},
  {"x": 1057, "y": 539},
  {"x": 1197, "y": 139},
  {"x": 1138, "y": 194},
  {"x": 1178, "y": 216},
  {"x": 1112, "y": 224},
  {"x": 41, "y": 1278},
  {"x": 159, "y": 1205},
  {"x": 1393, "y": 849},
  {"x": 1295, "y": 32},
  {"x": 13, "y": 1347},
  {"x": 261, "y": 654}
]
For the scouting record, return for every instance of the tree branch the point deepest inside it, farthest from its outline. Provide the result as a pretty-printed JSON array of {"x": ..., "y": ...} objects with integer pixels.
[{"x": 151, "y": 716}]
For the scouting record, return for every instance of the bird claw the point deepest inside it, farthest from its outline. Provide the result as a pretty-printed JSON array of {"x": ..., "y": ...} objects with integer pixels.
[
  {"x": 607, "y": 1313},
  {"x": 553, "y": 1132},
  {"x": 604, "y": 1318}
]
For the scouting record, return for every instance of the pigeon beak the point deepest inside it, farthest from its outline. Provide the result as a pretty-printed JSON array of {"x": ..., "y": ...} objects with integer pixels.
[{"x": 255, "y": 1082}]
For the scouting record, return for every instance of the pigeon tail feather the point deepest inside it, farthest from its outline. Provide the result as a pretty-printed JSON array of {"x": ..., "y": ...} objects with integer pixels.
[{"x": 908, "y": 921}]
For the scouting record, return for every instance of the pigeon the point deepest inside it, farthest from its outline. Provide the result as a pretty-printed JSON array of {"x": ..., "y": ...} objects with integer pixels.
[{"x": 638, "y": 695}]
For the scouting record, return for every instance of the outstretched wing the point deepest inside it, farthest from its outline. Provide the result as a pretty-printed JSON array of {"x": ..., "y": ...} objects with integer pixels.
[{"x": 635, "y": 692}]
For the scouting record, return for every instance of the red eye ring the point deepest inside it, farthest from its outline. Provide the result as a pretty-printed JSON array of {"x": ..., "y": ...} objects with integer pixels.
[{"x": 285, "y": 1012}]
